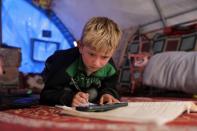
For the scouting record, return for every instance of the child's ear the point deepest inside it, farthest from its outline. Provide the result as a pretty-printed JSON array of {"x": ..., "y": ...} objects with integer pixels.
[{"x": 80, "y": 46}]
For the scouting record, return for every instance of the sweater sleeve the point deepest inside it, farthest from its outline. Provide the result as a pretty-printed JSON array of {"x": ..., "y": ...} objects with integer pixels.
[
  {"x": 109, "y": 86},
  {"x": 57, "y": 95},
  {"x": 56, "y": 89},
  {"x": 109, "y": 83}
]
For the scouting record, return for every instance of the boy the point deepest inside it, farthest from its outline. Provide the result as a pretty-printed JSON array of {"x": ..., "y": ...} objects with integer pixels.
[{"x": 85, "y": 74}]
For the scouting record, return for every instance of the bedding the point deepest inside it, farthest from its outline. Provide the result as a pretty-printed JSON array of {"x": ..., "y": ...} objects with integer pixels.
[{"x": 172, "y": 70}]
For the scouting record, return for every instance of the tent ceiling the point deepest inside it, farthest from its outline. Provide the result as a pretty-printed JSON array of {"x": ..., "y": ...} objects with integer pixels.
[{"x": 147, "y": 14}]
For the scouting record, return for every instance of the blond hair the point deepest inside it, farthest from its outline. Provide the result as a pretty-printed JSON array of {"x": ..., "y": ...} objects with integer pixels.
[{"x": 101, "y": 33}]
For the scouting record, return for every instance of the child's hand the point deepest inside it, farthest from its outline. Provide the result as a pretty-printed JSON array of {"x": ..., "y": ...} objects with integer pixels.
[
  {"x": 108, "y": 99},
  {"x": 80, "y": 98}
]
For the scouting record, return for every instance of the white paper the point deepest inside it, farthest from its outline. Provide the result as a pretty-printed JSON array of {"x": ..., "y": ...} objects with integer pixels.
[{"x": 142, "y": 112}]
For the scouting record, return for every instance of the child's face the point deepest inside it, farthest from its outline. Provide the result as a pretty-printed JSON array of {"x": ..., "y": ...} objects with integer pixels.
[{"x": 93, "y": 59}]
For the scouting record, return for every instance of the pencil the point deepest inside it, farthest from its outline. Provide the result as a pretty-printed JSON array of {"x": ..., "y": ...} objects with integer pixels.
[{"x": 75, "y": 84}]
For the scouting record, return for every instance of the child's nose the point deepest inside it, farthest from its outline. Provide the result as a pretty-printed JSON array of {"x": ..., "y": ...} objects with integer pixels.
[{"x": 96, "y": 62}]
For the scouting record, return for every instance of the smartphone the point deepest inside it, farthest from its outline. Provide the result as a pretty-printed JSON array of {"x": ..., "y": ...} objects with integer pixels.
[{"x": 101, "y": 108}]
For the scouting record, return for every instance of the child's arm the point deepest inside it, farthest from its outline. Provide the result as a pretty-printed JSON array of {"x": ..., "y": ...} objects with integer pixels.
[
  {"x": 56, "y": 90},
  {"x": 108, "y": 85},
  {"x": 57, "y": 96}
]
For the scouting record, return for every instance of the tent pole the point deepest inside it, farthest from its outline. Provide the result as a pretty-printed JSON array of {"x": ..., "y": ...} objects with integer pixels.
[{"x": 160, "y": 12}]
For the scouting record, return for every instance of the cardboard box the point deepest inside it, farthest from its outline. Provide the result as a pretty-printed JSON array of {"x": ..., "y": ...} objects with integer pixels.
[
  {"x": 10, "y": 77},
  {"x": 11, "y": 57},
  {"x": 10, "y": 61}
]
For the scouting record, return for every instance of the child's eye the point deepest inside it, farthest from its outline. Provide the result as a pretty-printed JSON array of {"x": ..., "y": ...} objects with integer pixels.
[
  {"x": 91, "y": 54},
  {"x": 105, "y": 57}
]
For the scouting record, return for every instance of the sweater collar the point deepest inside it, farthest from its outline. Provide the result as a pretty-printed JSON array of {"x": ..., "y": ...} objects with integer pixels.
[{"x": 78, "y": 65}]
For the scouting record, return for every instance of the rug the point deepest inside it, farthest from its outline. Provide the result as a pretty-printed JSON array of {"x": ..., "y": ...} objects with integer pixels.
[{"x": 48, "y": 118}]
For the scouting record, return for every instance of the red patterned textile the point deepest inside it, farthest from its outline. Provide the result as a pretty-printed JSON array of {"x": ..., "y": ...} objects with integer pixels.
[{"x": 48, "y": 118}]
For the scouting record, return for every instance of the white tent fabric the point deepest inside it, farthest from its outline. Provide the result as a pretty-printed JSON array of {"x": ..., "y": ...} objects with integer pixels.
[{"x": 147, "y": 14}]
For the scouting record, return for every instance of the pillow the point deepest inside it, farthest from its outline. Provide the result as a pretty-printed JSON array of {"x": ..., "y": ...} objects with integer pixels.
[{"x": 172, "y": 70}]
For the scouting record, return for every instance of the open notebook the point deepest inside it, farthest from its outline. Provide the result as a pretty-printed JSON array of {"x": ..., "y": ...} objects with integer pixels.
[{"x": 141, "y": 112}]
